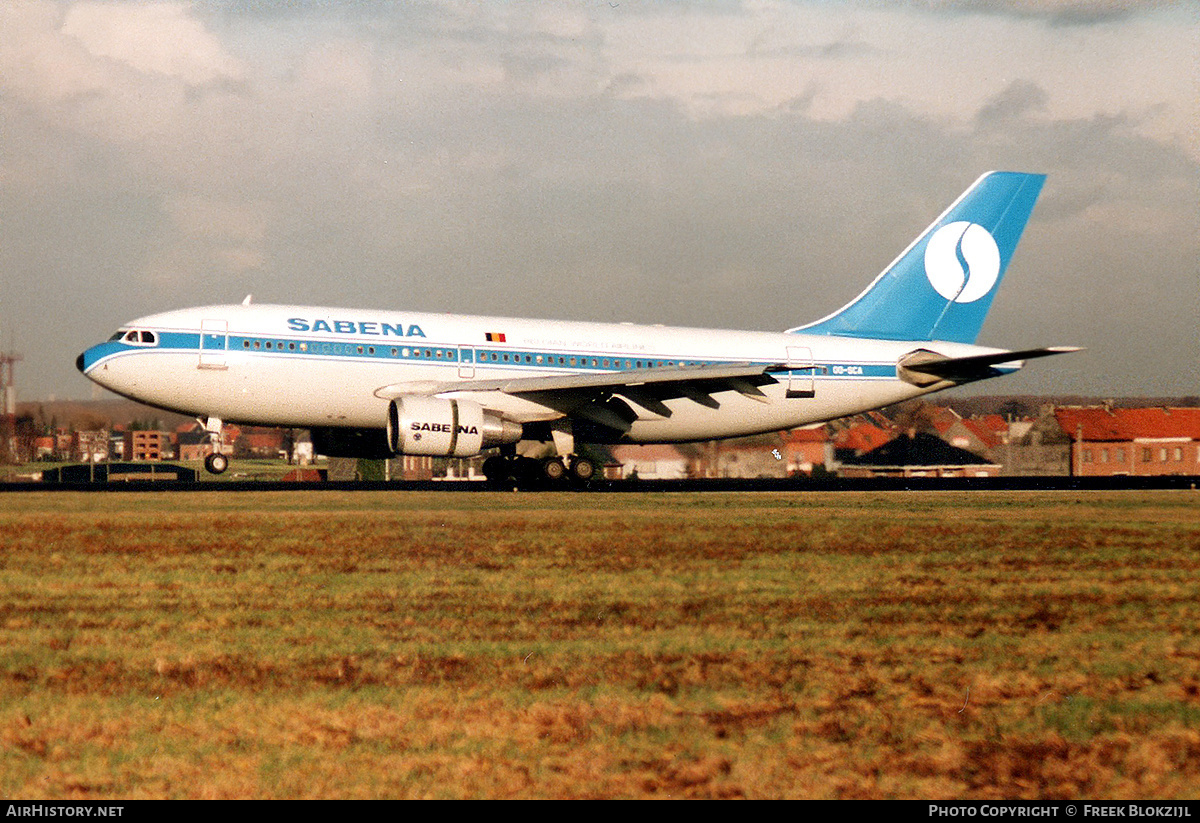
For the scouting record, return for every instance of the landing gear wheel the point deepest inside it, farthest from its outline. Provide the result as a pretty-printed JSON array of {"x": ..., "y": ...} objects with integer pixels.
[
  {"x": 497, "y": 468},
  {"x": 528, "y": 473},
  {"x": 216, "y": 463},
  {"x": 500, "y": 472},
  {"x": 553, "y": 469},
  {"x": 582, "y": 469}
]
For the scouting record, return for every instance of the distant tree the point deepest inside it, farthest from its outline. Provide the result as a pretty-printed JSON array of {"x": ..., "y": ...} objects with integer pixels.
[
  {"x": 26, "y": 434},
  {"x": 91, "y": 422},
  {"x": 16, "y": 438},
  {"x": 1015, "y": 409},
  {"x": 916, "y": 416}
]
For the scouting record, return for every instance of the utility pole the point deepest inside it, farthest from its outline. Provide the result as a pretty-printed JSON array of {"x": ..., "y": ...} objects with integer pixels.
[
  {"x": 1078, "y": 462},
  {"x": 8, "y": 407}
]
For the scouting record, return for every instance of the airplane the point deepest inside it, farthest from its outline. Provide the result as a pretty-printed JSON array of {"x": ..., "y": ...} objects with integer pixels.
[{"x": 377, "y": 384}]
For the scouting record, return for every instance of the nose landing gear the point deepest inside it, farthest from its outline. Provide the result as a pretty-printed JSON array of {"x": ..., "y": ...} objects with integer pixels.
[{"x": 218, "y": 461}]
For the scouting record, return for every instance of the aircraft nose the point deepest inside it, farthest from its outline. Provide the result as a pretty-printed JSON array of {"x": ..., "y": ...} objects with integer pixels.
[{"x": 87, "y": 358}]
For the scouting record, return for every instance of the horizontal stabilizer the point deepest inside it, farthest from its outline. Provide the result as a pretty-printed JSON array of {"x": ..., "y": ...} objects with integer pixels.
[{"x": 923, "y": 367}]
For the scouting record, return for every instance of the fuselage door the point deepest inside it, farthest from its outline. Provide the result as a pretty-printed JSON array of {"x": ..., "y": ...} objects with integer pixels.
[
  {"x": 214, "y": 342},
  {"x": 800, "y": 372},
  {"x": 466, "y": 362}
]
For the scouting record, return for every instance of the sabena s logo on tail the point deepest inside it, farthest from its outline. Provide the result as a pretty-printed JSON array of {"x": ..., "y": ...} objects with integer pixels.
[
  {"x": 942, "y": 285},
  {"x": 962, "y": 261}
]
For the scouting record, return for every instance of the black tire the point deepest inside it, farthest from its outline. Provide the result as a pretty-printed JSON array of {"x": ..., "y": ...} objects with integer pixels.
[
  {"x": 524, "y": 473},
  {"x": 583, "y": 470},
  {"x": 216, "y": 463},
  {"x": 497, "y": 468},
  {"x": 553, "y": 469}
]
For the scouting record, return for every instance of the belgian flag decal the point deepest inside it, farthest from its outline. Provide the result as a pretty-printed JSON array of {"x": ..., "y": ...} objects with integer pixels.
[{"x": 495, "y": 337}]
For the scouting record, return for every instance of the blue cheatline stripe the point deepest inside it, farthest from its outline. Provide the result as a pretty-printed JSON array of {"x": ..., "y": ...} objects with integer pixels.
[{"x": 443, "y": 354}]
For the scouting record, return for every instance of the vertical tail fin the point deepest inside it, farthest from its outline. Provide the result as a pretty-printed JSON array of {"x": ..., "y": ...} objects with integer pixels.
[{"x": 942, "y": 285}]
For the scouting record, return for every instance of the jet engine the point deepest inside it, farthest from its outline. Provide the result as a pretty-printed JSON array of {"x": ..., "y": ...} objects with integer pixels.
[{"x": 445, "y": 428}]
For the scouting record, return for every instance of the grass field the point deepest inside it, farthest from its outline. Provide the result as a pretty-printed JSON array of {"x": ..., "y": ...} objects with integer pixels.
[{"x": 493, "y": 645}]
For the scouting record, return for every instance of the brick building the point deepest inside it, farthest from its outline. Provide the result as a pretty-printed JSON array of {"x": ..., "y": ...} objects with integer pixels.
[
  {"x": 1109, "y": 441},
  {"x": 805, "y": 450},
  {"x": 148, "y": 445}
]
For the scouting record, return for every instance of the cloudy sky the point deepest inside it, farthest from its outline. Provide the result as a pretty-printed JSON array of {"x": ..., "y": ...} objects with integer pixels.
[{"x": 722, "y": 164}]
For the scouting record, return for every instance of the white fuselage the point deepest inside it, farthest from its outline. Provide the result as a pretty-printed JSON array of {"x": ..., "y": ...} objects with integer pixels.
[{"x": 306, "y": 366}]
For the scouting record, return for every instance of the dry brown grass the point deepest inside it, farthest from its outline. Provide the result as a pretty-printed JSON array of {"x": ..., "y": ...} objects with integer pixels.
[{"x": 326, "y": 644}]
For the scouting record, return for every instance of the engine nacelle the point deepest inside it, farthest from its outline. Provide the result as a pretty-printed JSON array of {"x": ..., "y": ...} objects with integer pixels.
[{"x": 445, "y": 428}]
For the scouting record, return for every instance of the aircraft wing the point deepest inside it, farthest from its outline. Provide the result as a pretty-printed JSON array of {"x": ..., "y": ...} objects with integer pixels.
[
  {"x": 590, "y": 396},
  {"x": 924, "y": 367}
]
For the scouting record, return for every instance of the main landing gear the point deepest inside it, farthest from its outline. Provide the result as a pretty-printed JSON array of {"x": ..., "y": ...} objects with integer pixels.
[{"x": 546, "y": 473}]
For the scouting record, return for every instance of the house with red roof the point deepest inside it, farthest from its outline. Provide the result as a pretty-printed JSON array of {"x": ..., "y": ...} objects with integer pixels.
[
  {"x": 781, "y": 454},
  {"x": 981, "y": 435},
  {"x": 861, "y": 438},
  {"x": 918, "y": 454},
  {"x": 1146, "y": 441},
  {"x": 804, "y": 450}
]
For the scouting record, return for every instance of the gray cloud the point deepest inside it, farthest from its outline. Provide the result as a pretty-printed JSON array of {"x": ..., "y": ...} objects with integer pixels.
[
  {"x": 1056, "y": 12},
  {"x": 1019, "y": 98}
]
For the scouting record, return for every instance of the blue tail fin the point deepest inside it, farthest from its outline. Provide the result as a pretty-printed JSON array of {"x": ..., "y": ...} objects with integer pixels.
[{"x": 941, "y": 286}]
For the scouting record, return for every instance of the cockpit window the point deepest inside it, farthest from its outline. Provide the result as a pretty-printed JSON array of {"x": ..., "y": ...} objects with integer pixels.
[{"x": 138, "y": 337}]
